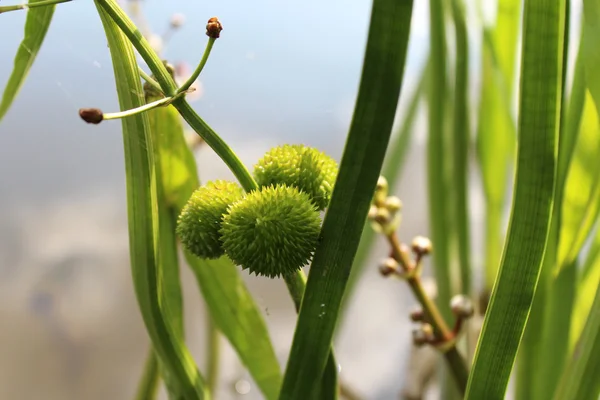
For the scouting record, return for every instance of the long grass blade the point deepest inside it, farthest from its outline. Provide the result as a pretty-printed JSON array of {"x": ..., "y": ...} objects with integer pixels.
[
  {"x": 591, "y": 48},
  {"x": 144, "y": 228},
  {"x": 580, "y": 379},
  {"x": 460, "y": 145},
  {"x": 36, "y": 25},
  {"x": 368, "y": 138},
  {"x": 437, "y": 160},
  {"x": 539, "y": 115}
]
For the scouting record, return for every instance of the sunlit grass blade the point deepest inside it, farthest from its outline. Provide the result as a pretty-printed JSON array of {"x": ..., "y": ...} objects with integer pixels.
[
  {"x": 36, "y": 26},
  {"x": 230, "y": 304},
  {"x": 360, "y": 167},
  {"x": 580, "y": 379},
  {"x": 539, "y": 114},
  {"x": 393, "y": 166},
  {"x": 142, "y": 197},
  {"x": 591, "y": 48},
  {"x": 496, "y": 130},
  {"x": 587, "y": 286}
]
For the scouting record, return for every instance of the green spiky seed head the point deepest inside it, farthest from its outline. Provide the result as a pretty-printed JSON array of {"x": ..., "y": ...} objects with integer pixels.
[
  {"x": 305, "y": 168},
  {"x": 272, "y": 231},
  {"x": 200, "y": 219}
]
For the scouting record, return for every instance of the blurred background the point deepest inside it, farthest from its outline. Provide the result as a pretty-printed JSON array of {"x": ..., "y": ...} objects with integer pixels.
[{"x": 282, "y": 72}]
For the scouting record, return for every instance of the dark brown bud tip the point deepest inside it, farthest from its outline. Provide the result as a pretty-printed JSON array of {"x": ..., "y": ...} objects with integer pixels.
[
  {"x": 214, "y": 28},
  {"x": 91, "y": 115}
]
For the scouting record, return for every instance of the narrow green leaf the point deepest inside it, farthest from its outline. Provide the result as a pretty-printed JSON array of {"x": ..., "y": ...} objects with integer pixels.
[
  {"x": 496, "y": 131},
  {"x": 148, "y": 385},
  {"x": 36, "y": 25},
  {"x": 587, "y": 285},
  {"x": 580, "y": 379},
  {"x": 230, "y": 304},
  {"x": 539, "y": 113},
  {"x": 360, "y": 167},
  {"x": 237, "y": 316},
  {"x": 393, "y": 166},
  {"x": 437, "y": 160},
  {"x": 460, "y": 146},
  {"x": 142, "y": 197},
  {"x": 591, "y": 47}
]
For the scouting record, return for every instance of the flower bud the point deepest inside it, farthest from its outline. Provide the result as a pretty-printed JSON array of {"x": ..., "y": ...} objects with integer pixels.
[
  {"x": 381, "y": 192},
  {"x": 421, "y": 245},
  {"x": 417, "y": 315},
  {"x": 461, "y": 306},
  {"x": 91, "y": 115},
  {"x": 177, "y": 20},
  {"x": 393, "y": 204},
  {"x": 388, "y": 266},
  {"x": 214, "y": 28}
]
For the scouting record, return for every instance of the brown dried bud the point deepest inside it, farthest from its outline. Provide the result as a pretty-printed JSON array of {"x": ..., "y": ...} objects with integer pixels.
[
  {"x": 388, "y": 267},
  {"x": 417, "y": 315},
  {"x": 421, "y": 245},
  {"x": 462, "y": 306},
  {"x": 214, "y": 28},
  {"x": 91, "y": 115}
]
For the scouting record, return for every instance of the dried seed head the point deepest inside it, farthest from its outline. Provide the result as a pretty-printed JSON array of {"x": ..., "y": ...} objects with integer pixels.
[
  {"x": 393, "y": 204},
  {"x": 214, "y": 28},
  {"x": 421, "y": 245},
  {"x": 388, "y": 266},
  {"x": 91, "y": 115},
  {"x": 462, "y": 306}
]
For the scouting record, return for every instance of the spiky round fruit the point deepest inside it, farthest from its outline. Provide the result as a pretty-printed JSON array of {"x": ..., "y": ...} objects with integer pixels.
[
  {"x": 272, "y": 231},
  {"x": 305, "y": 168},
  {"x": 200, "y": 219}
]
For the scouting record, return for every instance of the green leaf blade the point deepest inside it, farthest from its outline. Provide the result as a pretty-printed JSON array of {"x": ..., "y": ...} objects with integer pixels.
[
  {"x": 370, "y": 130},
  {"x": 540, "y": 96},
  {"x": 143, "y": 217},
  {"x": 36, "y": 26}
]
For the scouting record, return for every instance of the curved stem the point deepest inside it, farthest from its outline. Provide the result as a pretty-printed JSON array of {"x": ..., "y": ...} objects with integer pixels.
[
  {"x": 456, "y": 362},
  {"x": 165, "y": 101},
  {"x": 31, "y": 5},
  {"x": 149, "y": 80},
  {"x": 199, "y": 68},
  {"x": 217, "y": 144},
  {"x": 162, "y": 76}
]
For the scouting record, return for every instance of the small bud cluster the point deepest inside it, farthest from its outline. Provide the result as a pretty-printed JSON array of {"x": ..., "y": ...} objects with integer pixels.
[
  {"x": 384, "y": 213},
  {"x": 271, "y": 231},
  {"x": 461, "y": 307}
]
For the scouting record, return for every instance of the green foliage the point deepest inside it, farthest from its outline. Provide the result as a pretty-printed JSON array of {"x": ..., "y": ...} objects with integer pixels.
[
  {"x": 272, "y": 231},
  {"x": 200, "y": 220},
  {"x": 36, "y": 26},
  {"x": 305, "y": 168}
]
